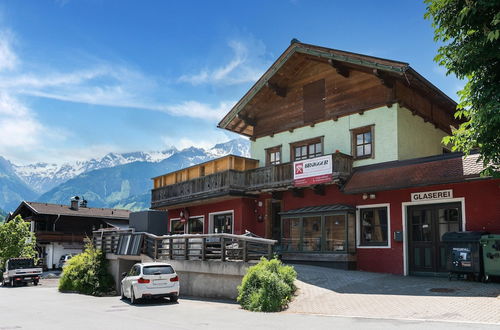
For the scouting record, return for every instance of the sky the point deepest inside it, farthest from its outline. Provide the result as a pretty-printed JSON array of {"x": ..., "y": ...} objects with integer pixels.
[{"x": 82, "y": 78}]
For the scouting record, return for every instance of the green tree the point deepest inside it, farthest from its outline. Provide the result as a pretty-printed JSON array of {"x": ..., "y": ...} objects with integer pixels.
[
  {"x": 87, "y": 273},
  {"x": 470, "y": 31},
  {"x": 16, "y": 240}
]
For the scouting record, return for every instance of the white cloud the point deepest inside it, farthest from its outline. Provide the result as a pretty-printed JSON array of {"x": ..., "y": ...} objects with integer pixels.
[
  {"x": 18, "y": 126},
  {"x": 8, "y": 59},
  {"x": 246, "y": 65},
  {"x": 206, "y": 142}
]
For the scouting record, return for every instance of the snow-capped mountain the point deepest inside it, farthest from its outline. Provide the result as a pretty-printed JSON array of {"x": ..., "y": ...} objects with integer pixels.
[{"x": 42, "y": 177}]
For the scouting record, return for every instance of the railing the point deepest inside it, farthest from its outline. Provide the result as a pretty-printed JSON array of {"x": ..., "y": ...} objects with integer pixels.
[
  {"x": 237, "y": 182},
  {"x": 57, "y": 236},
  {"x": 223, "y": 247}
]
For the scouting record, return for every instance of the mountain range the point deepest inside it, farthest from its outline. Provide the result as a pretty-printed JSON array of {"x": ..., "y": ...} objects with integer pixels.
[{"x": 118, "y": 180}]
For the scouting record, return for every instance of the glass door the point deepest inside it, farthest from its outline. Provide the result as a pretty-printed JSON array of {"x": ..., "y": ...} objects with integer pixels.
[{"x": 426, "y": 226}]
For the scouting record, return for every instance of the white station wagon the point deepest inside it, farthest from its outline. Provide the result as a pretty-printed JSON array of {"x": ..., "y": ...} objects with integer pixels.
[{"x": 150, "y": 280}]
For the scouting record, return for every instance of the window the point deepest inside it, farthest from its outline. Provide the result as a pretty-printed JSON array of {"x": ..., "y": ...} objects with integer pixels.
[
  {"x": 223, "y": 223},
  {"x": 374, "y": 230},
  {"x": 195, "y": 225},
  {"x": 176, "y": 227},
  {"x": 362, "y": 142},
  {"x": 330, "y": 233},
  {"x": 307, "y": 149},
  {"x": 273, "y": 156}
]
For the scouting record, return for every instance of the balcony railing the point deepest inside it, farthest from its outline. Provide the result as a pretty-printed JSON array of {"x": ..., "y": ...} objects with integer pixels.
[
  {"x": 240, "y": 182},
  {"x": 223, "y": 247}
]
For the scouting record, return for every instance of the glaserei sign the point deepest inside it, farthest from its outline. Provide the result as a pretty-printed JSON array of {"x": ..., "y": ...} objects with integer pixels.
[{"x": 431, "y": 195}]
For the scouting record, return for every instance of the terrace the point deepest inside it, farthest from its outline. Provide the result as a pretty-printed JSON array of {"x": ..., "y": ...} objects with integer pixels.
[{"x": 233, "y": 176}]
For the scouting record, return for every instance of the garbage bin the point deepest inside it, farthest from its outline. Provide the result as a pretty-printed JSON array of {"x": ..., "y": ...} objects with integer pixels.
[
  {"x": 463, "y": 254},
  {"x": 491, "y": 255}
]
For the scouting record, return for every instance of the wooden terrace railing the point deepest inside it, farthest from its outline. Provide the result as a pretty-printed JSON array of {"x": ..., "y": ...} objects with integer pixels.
[
  {"x": 223, "y": 247},
  {"x": 240, "y": 182}
]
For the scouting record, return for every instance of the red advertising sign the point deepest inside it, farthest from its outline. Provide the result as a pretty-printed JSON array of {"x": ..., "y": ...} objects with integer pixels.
[{"x": 312, "y": 171}]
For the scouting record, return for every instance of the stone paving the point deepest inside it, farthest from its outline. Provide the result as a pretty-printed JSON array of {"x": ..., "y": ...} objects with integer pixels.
[{"x": 329, "y": 291}]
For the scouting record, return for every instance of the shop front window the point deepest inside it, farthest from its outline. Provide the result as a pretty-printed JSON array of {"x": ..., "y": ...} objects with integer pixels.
[
  {"x": 176, "y": 227},
  {"x": 223, "y": 223},
  {"x": 291, "y": 234},
  {"x": 312, "y": 234},
  {"x": 373, "y": 226},
  {"x": 195, "y": 225},
  {"x": 335, "y": 233},
  {"x": 331, "y": 233}
]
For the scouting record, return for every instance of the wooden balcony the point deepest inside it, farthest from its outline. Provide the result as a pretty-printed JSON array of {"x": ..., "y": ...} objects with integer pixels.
[
  {"x": 240, "y": 183},
  {"x": 56, "y": 236}
]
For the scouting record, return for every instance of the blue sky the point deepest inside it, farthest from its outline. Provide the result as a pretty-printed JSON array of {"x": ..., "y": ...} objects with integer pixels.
[{"x": 79, "y": 79}]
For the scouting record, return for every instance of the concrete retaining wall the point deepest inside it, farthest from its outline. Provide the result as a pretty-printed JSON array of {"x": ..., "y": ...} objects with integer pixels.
[{"x": 207, "y": 279}]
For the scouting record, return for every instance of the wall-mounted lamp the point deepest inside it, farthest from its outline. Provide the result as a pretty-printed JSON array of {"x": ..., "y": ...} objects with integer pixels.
[
  {"x": 365, "y": 196},
  {"x": 373, "y": 196}
]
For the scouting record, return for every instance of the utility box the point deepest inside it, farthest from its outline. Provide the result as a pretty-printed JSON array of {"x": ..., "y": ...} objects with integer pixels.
[
  {"x": 150, "y": 221},
  {"x": 491, "y": 255},
  {"x": 463, "y": 251}
]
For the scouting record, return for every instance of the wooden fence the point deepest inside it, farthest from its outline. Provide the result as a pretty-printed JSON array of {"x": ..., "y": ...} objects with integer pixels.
[{"x": 223, "y": 247}]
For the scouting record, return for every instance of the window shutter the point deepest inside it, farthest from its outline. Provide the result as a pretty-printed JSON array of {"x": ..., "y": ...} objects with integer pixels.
[{"x": 314, "y": 101}]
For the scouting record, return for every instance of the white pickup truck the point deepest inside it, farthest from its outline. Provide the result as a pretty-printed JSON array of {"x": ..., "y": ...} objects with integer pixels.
[{"x": 20, "y": 271}]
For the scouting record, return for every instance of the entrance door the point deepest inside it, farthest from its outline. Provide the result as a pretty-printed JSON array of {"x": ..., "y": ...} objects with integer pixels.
[
  {"x": 426, "y": 226},
  {"x": 276, "y": 220}
]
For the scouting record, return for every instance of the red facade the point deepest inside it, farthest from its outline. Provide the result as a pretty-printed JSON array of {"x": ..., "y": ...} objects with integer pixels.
[{"x": 479, "y": 200}]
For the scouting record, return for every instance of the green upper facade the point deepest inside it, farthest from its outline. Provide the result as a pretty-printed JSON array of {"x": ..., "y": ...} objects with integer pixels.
[{"x": 398, "y": 135}]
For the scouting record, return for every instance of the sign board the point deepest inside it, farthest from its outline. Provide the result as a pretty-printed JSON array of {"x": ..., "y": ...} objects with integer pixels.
[
  {"x": 431, "y": 195},
  {"x": 312, "y": 171}
]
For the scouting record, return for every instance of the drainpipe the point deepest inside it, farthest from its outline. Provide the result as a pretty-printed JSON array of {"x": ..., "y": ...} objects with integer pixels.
[{"x": 54, "y": 225}]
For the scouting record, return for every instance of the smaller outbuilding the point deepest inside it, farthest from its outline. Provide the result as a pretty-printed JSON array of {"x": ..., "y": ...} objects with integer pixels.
[{"x": 61, "y": 229}]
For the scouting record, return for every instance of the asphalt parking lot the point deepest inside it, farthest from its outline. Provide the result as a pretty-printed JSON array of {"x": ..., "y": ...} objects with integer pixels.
[{"x": 43, "y": 307}]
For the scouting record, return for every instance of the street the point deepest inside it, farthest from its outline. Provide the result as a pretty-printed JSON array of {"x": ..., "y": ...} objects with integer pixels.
[{"x": 43, "y": 307}]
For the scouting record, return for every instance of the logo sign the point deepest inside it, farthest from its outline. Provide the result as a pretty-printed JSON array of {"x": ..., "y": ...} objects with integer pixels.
[
  {"x": 312, "y": 171},
  {"x": 431, "y": 195}
]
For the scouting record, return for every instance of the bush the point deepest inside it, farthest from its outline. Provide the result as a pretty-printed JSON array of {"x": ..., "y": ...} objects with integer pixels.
[
  {"x": 87, "y": 273},
  {"x": 267, "y": 286}
]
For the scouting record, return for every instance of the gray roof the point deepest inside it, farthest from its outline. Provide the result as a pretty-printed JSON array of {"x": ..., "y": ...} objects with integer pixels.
[
  {"x": 93, "y": 212},
  {"x": 320, "y": 209}
]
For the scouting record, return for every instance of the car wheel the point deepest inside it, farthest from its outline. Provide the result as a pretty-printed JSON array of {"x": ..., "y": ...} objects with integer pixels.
[
  {"x": 133, "y": 301},
  {"x": 174, "y": 298},
  {"x": 12, "y": 283},
  {"x": 35, "y": 283},
  {"x": 122, "y": 294}
]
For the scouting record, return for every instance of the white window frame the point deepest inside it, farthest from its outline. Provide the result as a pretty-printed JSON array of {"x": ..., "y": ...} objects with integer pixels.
[
  {"x": 175, "y": 219},
  {"x": 195, "y": 217},
  {"x": 358, "y": 226},
  {"x": 404, "y": 212},
  {"x": 211, "y": 220}
]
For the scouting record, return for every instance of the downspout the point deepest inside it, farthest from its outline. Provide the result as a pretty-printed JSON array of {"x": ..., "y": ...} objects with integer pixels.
[
  {"x": 53, "y": 246},
  {"x": 54, "y": 225}
]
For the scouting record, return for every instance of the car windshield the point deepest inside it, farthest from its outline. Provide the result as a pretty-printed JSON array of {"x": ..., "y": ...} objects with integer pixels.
[
  {"x": 21, "y": 263},
  {"x": 157, "y": 270}
]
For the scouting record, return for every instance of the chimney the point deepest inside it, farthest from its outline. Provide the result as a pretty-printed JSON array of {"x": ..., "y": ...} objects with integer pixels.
[
  {"x": 74, "y": 203},
  {"x": 83, "y": 203}
]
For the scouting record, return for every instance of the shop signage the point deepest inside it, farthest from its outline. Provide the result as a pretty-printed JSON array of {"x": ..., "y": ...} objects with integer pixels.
[
  {"x": 431, "y": 195},
  {"x": 312, "y": 171}
]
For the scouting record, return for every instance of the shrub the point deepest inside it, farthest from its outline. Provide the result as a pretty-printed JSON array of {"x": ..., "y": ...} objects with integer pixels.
[
  {"x": 267, "y": 286},
  {"x": 87, "y": 273}
]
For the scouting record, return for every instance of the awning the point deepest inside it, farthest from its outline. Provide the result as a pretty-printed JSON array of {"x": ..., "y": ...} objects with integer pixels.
[
  {"x": 117, "y": 224},
  {"x": 333, "y": 208}
]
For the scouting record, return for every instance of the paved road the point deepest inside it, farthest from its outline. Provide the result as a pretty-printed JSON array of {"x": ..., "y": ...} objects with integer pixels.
[{"x": 43, "y": 307}]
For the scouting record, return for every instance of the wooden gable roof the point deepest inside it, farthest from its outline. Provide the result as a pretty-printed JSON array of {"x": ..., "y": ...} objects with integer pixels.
[{"x": 378, "y": 81}]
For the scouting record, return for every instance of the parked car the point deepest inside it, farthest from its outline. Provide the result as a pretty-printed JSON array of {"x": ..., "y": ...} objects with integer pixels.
[
  {"x": 150, "y": 280},
  {"x": 20, "y": 271},
  {"x": 64, "y": 258}
]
